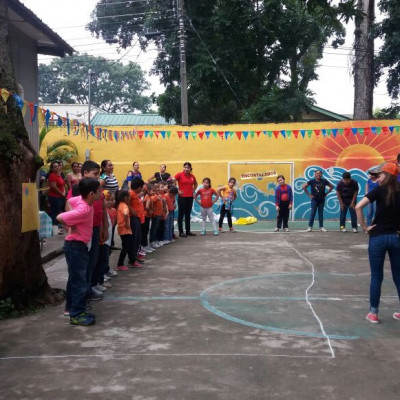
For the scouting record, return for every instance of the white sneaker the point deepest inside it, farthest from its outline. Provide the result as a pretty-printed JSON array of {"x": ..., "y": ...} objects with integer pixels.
[
  {"x": 167, "y": 242},
  {"x": 96, "y": 292},
  {"x": 154, "y": 245},
  {"x": 148, "y": 249},
  {"x": 160, "y": 243},
  {"x": 100, "y": 288},
  {"x": 309, "y": 229},
  {"x": 323, "y": 229},
  {"x": 286, "y": 229},
  {"x": 276, "y": 230},
  {"x": 355, "y": 230},
  {"x": 343, "y": 229}
]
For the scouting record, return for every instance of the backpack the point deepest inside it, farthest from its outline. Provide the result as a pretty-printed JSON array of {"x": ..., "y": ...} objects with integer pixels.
[{"x": 125, "y": 183}]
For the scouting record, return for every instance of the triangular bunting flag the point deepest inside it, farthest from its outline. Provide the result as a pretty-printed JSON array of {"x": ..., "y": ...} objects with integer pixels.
[{"x": 239, "y": 134}]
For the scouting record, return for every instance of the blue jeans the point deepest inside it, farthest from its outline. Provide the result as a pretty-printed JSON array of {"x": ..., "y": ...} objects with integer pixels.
[
  {"x": 317, "y": 205},
  {"x": 169, "y": 226},
  {"x": 102, "y": 264},
  {"x": 77, "y": 257},
  {"x": 378, "y": 246},
  {"x": 353, "y": 216},
  {"x": 93, "y": 256},
  {"x": 370, "y": 213},
  {"x": 56, "y": 206}
]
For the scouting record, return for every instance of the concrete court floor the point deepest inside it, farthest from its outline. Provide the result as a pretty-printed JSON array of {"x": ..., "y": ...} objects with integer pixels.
[{"x": 239, "y": 316}]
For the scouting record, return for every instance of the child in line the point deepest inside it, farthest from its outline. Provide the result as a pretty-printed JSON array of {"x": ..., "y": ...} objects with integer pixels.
[
  {"x": 136, "y": 218},
  {"x": 228, "y": 195},
  {"x": 283, "y": 203},
  {"x": 162, "y": 189},
  {"x": 124, "y": 230},
  {"x": 158, "y": 208},
  {"x": 346, "y": 191},
  {"x": 148, "y": 213},
  {"x": 104, "y": 248},
  {"x": 79, "y": 220},
  {"x": 170, "y": 198},
  {"x": 206, "y": 202}
]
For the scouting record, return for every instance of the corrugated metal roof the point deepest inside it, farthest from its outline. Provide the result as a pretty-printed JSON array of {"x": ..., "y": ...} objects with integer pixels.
[{"x": 103, "y": 119}]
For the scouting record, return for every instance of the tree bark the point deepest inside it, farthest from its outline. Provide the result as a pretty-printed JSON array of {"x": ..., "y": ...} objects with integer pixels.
[
  {"x": 22, "y": 277},
  {"x": 363, "y": 67}
]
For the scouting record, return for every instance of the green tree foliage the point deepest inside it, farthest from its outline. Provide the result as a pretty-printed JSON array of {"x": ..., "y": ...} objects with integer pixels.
[
  {"x": 247, "y": 60},
  {"x": 114, "y": 87},
  {"x": 389, "y": 56}
]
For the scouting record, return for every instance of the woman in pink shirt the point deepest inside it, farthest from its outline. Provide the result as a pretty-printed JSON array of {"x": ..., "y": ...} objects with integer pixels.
[{"x": 187, "y": 185}]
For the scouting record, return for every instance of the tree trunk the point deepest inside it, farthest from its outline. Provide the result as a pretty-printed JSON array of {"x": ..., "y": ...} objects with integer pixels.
[
  {"x": 363, "y": 67},
  {"x": 22, "y": 277}
]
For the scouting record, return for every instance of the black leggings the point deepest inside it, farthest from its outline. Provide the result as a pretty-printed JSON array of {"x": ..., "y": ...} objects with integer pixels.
[
  {"x": 184, "y": 210},
  {"x": 222, "y": 216},
  {"x": 283, "y": 215}
]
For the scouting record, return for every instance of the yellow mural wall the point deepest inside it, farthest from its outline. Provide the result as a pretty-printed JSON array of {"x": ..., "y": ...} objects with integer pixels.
[{"x": 213, "y": 156}]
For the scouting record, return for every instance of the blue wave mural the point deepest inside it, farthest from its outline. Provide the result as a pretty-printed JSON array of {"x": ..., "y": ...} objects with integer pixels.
[{"x": 253, "y": 202}]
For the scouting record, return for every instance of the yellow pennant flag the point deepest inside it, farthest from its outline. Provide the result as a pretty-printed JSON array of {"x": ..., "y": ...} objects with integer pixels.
[
  {"x": 5, "y": 94},
  {"x": 30, "y": 208}
]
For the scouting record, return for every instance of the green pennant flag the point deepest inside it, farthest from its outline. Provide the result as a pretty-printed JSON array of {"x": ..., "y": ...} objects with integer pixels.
[
  {"x": 309, "y": 132},
  {"x": 252, "y": 134},
  {"x": 378, "y": 130},
  {"x": 288, "y": 134},
  {"x": 231, "y": 134},
  {"x": 194, "y": 134},
  {"x": 329, "y": 132},
  {"x": 168, "y": 134},
  {"x": 340, "y": 132},
  {"x": 151, "y": 134},
  {"x": 269, "y": 133},
  {"x": 397, "y": 129},
  {"x": 360, "y": 131},
  {"x": 214, "y": 134}
]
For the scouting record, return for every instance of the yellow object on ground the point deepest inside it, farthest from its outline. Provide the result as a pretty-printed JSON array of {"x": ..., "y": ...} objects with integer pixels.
[{"x": 245, "y": 221}]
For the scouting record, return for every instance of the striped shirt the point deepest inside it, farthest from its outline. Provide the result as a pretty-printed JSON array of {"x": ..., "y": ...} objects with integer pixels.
[{"x": 110, "y": 182}]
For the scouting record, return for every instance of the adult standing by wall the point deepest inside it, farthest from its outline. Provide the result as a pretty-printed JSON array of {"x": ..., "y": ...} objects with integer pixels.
[
  {"x": 73, "y": 178},
  {"x": 161, "y": 176},
  {"x": 317, "y": 196},
  {"x": 383, "y": 236},
  {"x": 108, "y": 181},
  {"x": 135, "y": 173},
  {"x": 56, "y": 194},
  {"x": 187, "y": 185},
  {"x": 347, "y": 191}
]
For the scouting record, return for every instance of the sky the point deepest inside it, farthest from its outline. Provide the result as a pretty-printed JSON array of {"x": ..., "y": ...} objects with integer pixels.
[{"x": 333, "y": 90}]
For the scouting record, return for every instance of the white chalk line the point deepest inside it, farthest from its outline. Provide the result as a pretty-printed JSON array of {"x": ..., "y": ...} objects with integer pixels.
[
  {"x": 309, "y": 303},
  {"x": 124, "y": 355}
]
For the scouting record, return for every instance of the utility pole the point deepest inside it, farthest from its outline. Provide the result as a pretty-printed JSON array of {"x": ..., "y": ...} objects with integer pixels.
[
  {"x": 363, "y": 67},
  {"x": 89, "y": 96},
  {"x": 182, "y": 58}
]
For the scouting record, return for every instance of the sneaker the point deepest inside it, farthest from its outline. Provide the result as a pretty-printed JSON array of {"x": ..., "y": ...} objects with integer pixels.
[
  {"x": 96, "y": 291},
  {"x": 396, "y": 315},
  {"x": 216, "y": 233},
  {"x": 167, "y": 241},
  {"x": 276, "y": 230},
  {"x": 343, "y": 229},
  {"x": 136, "y": 264},
  {"x": 148, "y": 249},
  {"x": 355, "y": 230},
  {"x": 232, "y": 230},
  {"x": 183, "y": 235},
  {"x": 154, "y": 245},
  {"x": 322, "y": 229},
  {"x": 111, "y": 273},
  {"x": 309, "y": 229},
  {"x": 100, "y": 288},
  {"x": 107, "y": 285},
  {"x": 202, "y": 233},
  {"x": 96, "y": 297},
  {"x": 286, "y": 229},
  {"x": 190, "y": 234},
  {"x": 160, "y": 243},
  {"x": 84, "y": 319},
  {"x": 66, "y": 313},
  {"x": 106, "y": 278},
  {"x": 140, "y": 258},
  {"x": 371, "y": 317},
  {"x": 122, "y": 268},
  {"x": 142, "y": 253},
  {"x": 221, "y": 230}
]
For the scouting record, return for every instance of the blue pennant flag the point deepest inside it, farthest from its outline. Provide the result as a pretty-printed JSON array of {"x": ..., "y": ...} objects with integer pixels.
[
  {"x": 334, "y": 132},
  {"x": 187, "y": 135},
  {"x": 245, "y": 134},
  {"x": 207, "y": 134},
  {"x": 283, "y": 133},
  {"x": 303, "y": 133}
]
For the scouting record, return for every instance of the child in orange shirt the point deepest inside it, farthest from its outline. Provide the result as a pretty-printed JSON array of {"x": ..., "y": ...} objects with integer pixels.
[
  {"x": 157, "y": 213},
  {"x": 148, "y": 214},
  {"x": 206, "y": 202},
  {"x": 124, "y": 230},
  {"x": 136, "y": 216},
  {"x": 170, "y": 198}
]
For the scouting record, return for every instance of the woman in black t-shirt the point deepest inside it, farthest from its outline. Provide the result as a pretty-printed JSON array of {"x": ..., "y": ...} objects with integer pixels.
[
  {"x": 383, "y": 233},
  {"x": 161, "y": 176}
]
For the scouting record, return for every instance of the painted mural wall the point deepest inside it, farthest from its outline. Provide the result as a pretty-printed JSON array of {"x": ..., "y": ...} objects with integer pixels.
[{"x": 253, "y": 154}]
